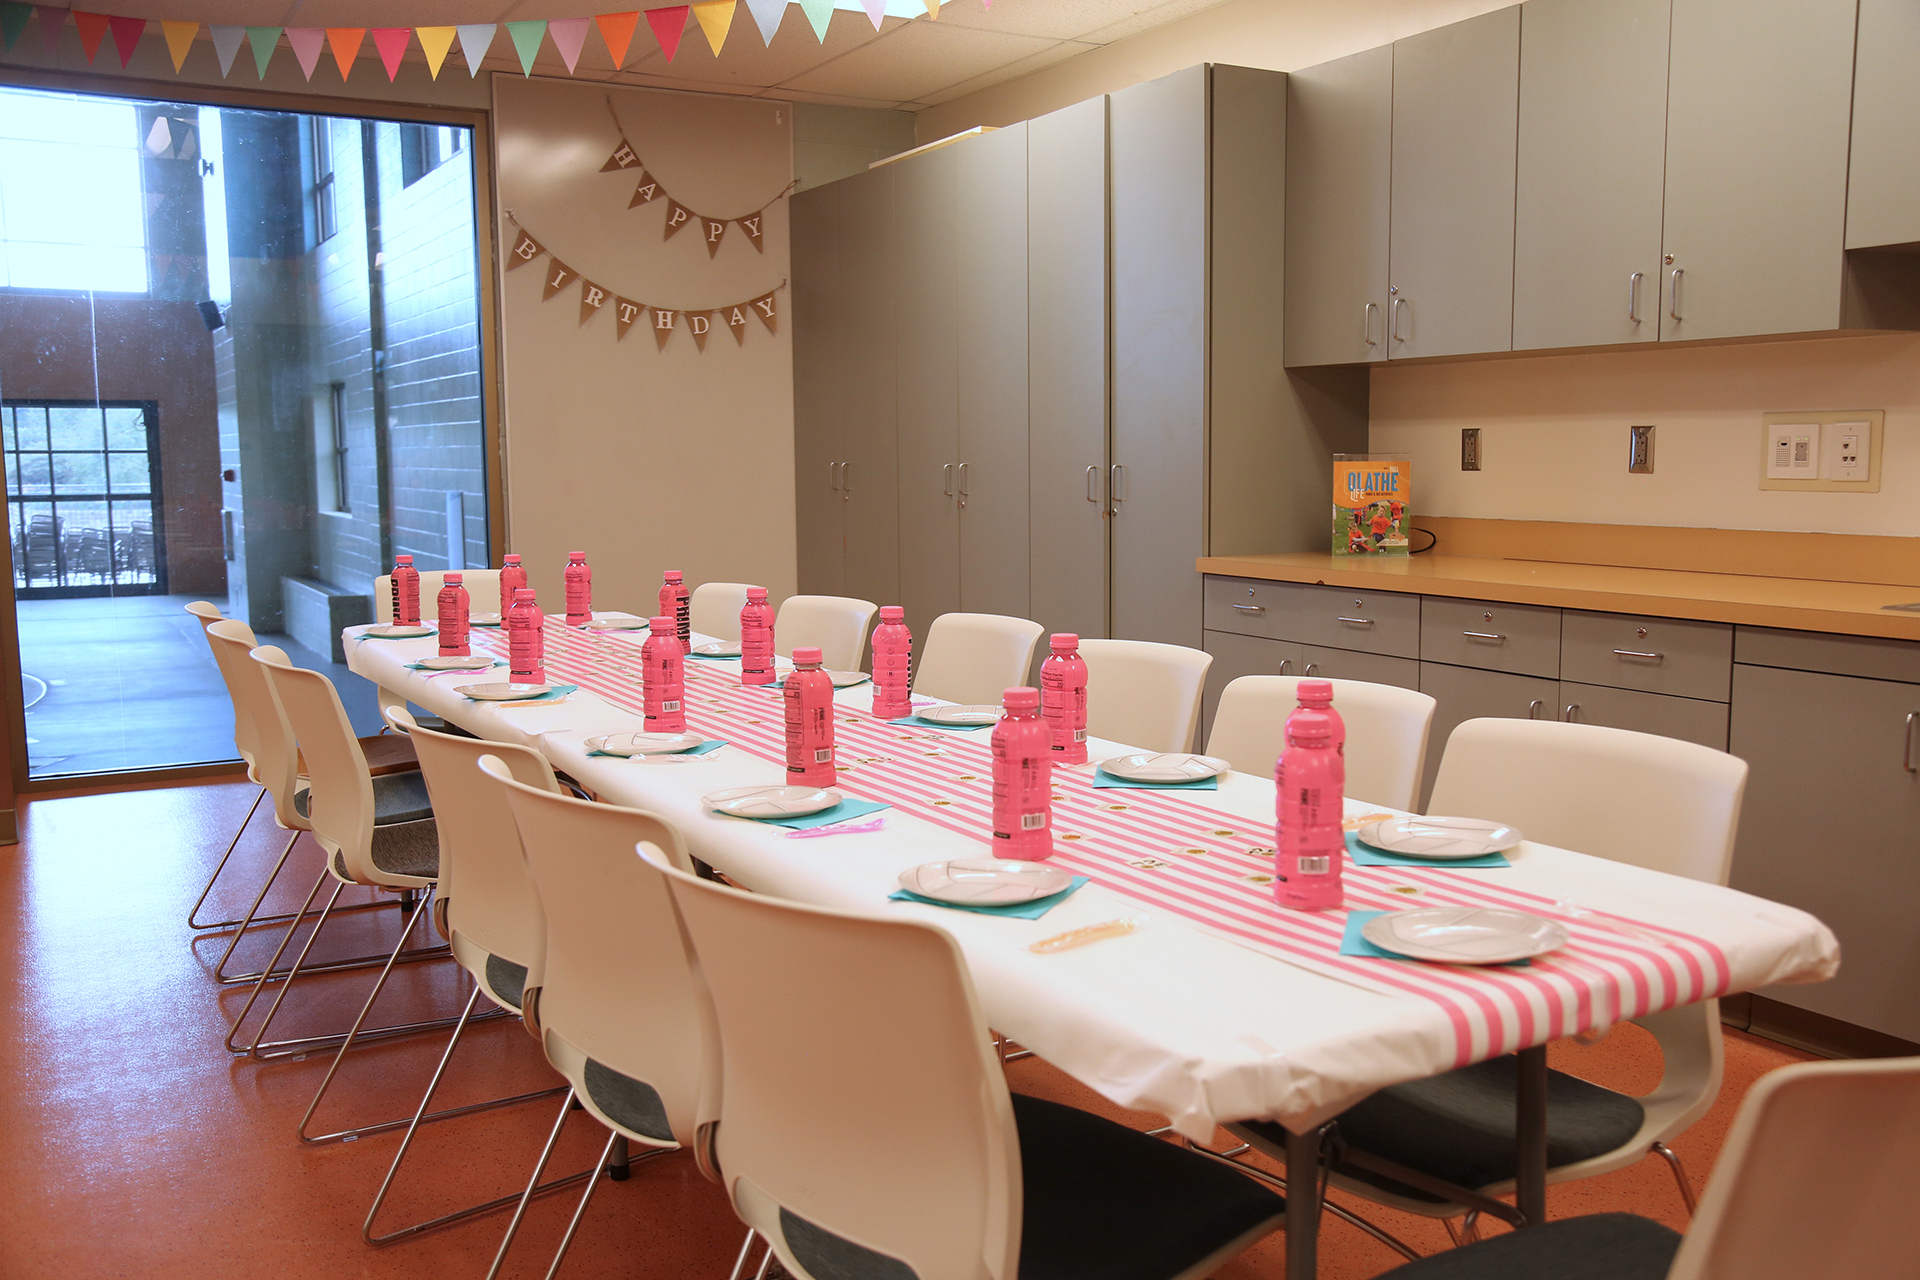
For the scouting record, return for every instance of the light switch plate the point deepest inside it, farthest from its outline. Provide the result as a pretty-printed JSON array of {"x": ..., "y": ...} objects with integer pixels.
[{"x": 1825, "y": 451}]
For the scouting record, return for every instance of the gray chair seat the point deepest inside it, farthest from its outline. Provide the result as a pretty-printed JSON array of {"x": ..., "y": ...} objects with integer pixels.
[
  {"x": 1601, "y": 1246},
  {"x": 397, "y": 797},
  {"x": 1460, "y": 1126}
]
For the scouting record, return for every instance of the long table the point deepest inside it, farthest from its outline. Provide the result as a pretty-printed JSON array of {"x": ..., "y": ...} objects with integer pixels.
[{"x": 1219, "y": 1006}]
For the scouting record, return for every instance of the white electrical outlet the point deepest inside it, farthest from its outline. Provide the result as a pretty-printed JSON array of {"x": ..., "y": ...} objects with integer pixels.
[
  {"x": 1847, "y": 451},
  {"x": 1793, "y": 451}
]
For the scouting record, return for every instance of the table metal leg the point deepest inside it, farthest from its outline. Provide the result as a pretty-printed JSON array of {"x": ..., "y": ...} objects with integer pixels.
[
  {"x": 1530, "y": 1137},
  {"x": 1303, "y": 1203}
]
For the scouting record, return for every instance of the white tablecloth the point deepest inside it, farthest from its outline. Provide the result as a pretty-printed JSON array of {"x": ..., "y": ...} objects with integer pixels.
[{"x": 1171, "y": 1018}]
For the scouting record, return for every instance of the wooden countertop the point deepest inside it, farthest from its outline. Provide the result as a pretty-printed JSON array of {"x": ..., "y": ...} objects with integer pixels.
[{"x": 1799, "y": 604}]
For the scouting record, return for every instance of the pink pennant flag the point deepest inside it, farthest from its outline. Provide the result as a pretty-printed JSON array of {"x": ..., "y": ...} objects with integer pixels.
[
  {"x": 569, "y": 37},
  {"x": 92, "y": 27},
  {"x": 126, "y": 35},
  {"x": 668, "y": 24},
  {"x": 307, "y": 43},
  {"x": 392, "y": 44},
  {"x": 876, "y": 10},
  {"x": 51, "y": 20}
]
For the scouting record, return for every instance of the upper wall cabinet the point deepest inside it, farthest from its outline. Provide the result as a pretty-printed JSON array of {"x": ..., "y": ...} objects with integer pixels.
[
  {"x": 1450, "y": 243},
  {"x": 1593, "y": 141},
  {"x": 1759, "y": 98},
  {"x": 1883, "y": 183}
]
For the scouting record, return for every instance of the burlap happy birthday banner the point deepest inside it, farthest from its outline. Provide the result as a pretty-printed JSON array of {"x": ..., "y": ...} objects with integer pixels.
[
  {"x": 648, "y": 189},
  {"x": 663, "y": 321}
]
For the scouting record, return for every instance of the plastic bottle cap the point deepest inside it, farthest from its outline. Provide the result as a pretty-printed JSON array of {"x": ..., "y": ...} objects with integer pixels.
[
  {"x": 1315, "y": 693},
  {"x": 403, "y": 559},
  {"x": 505, "y": 560},
  {"x": 577, "y": 555},
  {"x": 756, "y": 595},
  {"x": 892, "y": 613},
  {"x": 1064, "y": 640},
  {"x": 1309, "y": 728},
  {"x": 1022, "y": 698},
  {"x": 673, "y": 575},
  {"x": 452, "y": 578},
  {"x": 522, "y": 593},
  {"x": 661, "y": 625},
  {"x": 806, "y": 658}
]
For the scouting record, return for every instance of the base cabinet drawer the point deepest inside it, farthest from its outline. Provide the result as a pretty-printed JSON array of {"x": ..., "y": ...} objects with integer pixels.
[
  {"x": 1251, "y": 607},
  {"x": 1688, "y": 719},
  {"x": 1345, "y": 664},
  {"x": 1466, "y": 693},
  {"x": 1385, "y": 622},
  {"x": 1654, "y": 655},
  {"x": 1235, "y": 656},
  {"x": 1521, "y": 638}
]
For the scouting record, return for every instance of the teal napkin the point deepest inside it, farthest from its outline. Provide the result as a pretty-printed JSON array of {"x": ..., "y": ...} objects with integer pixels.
[
  {"x": 842, "y": 812},
  {"x": 1018, "y": 910},
  {"x": 711, "y": 744},
  {"x": 1356, "y": 944},
  {"x": 1103, "y": 779},
  {"x": 554, "y": 694},
  {"x": 714, "y": 657},
  {"x": 915, "y": 722},
  {"x": 417, "y": 666},
  {"x": 1365, "y": 855},
  {"x": 371, "y": 635}
]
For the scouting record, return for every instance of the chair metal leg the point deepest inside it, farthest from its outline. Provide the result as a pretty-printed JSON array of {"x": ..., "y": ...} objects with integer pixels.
[
  {"x": 533, "y": 1183},
  {"x": 261, "y": 982},
  {"x": 220, "y": 969},
  {"x": 746, "y": 1250},
  {"x": 580, "y": 1210},
  {"x": 766, "y": 1263},
  {"x": 1679, "y": 1175},
  {"x": 221, "y": 866},
  {"x": 1279, "y": 1184}
]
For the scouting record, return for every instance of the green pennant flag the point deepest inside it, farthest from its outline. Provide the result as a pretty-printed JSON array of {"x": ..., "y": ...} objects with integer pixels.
[
  {"x": 264, "y": 41},
  {"x": 13, "y": 20},
  {"x": 819, "y": 13},
  {"x": 526, "y": 41}
]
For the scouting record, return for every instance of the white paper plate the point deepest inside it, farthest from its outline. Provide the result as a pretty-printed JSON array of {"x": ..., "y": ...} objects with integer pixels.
[
  {"x": 644, "y": 744},
  {"x": 847, "y": 679},
  {"x": 1441, "y": 838},
  {"x": 960, "y": 715},
  {"x": 1178, "y": 767},
  {"x": 985, "y": 882},
  {"x": 719, "y": 649},
  {"x": 1465, "y": 935},
  {"x": 504, "y": 692},
  {"x": 394, "y": 631},
  {"x": 454, "y": 662},
  {"x": 616, "y": 624},
  {"x": 772, "y": 802},
  {"x": 483, "y": 619}
]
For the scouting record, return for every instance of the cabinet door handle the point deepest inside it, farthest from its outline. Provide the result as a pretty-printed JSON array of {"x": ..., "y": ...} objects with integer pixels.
[
  {"x": 846, "y": 485},
  {"x": 966, "y": 481},
  {"x": 1251, "y": 608},
  {"x": 1366, "y": 323},
  {"x": 1286, "y": 666},
  {"x": 1633, "y": 296},
  {"x": 1673, "y": 292},
  {"x": 1648, "y": 654},
  {"x": 833, "y": 476},
  {"x": 1093, "y": 485},
  {"x": 1397, "y": 312},
  {"x": 1571, "y": 714},
  {"x": 1313, "y": 668},
  {"x": 1117, "y": 485},
  {"x": 946, "y": 479},
  {"x": 1533, "y": 708},
  {"x": 1906, "y": 760},
  {"x": 1485, "y": 635},
  {"x": 1358, "y": 622}
]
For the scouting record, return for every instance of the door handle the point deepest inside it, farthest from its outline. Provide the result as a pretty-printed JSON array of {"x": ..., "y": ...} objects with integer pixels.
[
  {"x": 1358, "y": 622},
  {"x": 1533, "y": 708},
  {"x": 1906, "y": 760},
  {"x": 1633, "y": 296},
  {"x": 946, "y": 479},
  {"x": 846, "y": 485},
  {"x": 965, "y": 479},
  {"x": 1251, "y": 608},
  {"x": 833, "y": 476},
  {"x": 1639, "y": 653},
  {"x": 1313, "y": 668},
  {"x": 1093, "y": 485},
  {"x": 1366, "y": 323},
  {"x": 1571, "y": 714},
  {"x": 1398, "y": 311},
  {"x": 1286, "y": 666},
  {"x": 1483, "y": 635},
  {"x": 1673, "y": 292},
  {"x": 1117, "y": 486}
]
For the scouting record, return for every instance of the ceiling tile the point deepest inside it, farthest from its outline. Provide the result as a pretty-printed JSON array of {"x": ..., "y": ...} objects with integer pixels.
[
  {"x": 918, "y": 58},
  {"x": 1058, "y": 19},
  {"x": 1033, "y": 62},
  {"x": 1145, "y": 17}
]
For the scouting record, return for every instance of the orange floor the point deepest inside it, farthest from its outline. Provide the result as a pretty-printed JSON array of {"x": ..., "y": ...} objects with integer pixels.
[{"x": 132, "y": 1143}]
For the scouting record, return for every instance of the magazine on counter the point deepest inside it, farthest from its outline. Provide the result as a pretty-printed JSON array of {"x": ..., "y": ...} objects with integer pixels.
[{"x": 1372, "y": 504}]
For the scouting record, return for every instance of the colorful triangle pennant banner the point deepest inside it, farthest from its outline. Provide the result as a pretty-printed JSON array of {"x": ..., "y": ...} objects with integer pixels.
[
  {"x": 434, "y": 42},
  {"x": 526, "y": 42},
  {"x": 617, "y": 30},
  {"x": 307, "y": 43},
  {"x": 668, "y": 25}
]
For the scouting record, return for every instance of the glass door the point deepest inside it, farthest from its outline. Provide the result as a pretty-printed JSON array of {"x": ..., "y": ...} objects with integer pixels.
[{"x": 83, "y": 497}]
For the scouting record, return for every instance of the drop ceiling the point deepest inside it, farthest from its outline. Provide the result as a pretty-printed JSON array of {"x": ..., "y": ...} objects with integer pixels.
[{"x": 906, "y": 65}]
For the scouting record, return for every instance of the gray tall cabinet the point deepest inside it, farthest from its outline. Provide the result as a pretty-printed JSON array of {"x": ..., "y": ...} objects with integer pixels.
[{"x": 1073, "y": 353}]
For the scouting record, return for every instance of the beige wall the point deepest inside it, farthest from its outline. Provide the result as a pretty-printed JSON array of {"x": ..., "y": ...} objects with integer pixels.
[
  {"x": 1276, "y": 35},
  {"x": 1554, "y": 433},
  {"x": 644, "y": 459}
]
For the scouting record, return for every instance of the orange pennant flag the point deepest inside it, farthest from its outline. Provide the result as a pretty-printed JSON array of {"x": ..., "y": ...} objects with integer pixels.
[
  {"x": 345, "y": 43},
  {"x": 435, "y": 41},
  {"x": 617, "y": 30},
  {"x": 179, "y": 39},
  {"x": 93, "y": 26}
]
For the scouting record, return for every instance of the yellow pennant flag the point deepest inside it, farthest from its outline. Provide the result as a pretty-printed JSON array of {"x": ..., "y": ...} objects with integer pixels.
[
  {"x": 716, "y": 16},
  {"x": 179, "y": 39},
  {"x": 933, "y": 9},
  {"x": 435, "y": 41}
]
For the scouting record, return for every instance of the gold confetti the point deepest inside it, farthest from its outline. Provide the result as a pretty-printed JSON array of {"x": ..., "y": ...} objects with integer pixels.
[
  {"x": 1404, "y": 888},
  {"x": 1117, "y": 806},
  {"x": 1259, "y": 879},
  {"x": 1147, "y": 864},
  {"x": 1221, "y": 833},
  {"x": 1069, "y": 837},
  {"x": 943, "y": 802}
]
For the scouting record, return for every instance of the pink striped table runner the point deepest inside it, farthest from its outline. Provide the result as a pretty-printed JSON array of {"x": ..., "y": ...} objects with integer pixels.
[{"x": 1174, "y": 852}]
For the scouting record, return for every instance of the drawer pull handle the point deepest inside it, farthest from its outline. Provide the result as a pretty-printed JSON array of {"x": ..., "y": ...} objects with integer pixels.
[
  {"x": 1639, "y": 653},
  {"x": 1251, "y": 608},
  {"x": 1313, "y": 668},
  {"x": 1906, "y": 760},
  {"x": 1485, "y": 635},
  {"x": 1357, "y": 622},
  {"x": 1572, "y": 713},
  {"x": 1533, "y": 708},
  {"x": 1286, "y": 666}
]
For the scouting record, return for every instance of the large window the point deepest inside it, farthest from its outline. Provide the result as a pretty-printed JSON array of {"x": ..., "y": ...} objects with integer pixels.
[
  {"x": 83, "y": 493},
  {"x": 71, "y": 201}
]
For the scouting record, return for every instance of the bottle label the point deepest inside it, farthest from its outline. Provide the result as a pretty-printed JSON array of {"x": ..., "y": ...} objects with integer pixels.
[
  {"x": 1079, "y": 735},
  {"x": 670, "y": 706},
  {"x": 823, "y": 755},
  {"x": 1313, "y": 866},
  {"x": 1036, "y": 821}
]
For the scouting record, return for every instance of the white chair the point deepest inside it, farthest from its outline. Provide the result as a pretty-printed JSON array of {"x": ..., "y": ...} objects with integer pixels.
[
  {"x": 835, "y": 625},
  {"x": 973, "y": 658},
  {"x": 1386, "y": 733},
  {"x": 714, "y": 609},
  {"x": 483, "y": 588},
  {"x": 616, "y": 1008},
  {"x": 1631, "y": 797},
  {"x": 376, "y": 832},
  {"x": 889, "y": 1146},
  {"x": 1816, "y": 1178},
  {"x": 244, "y": 744},
  {"x": 1143, "y": 694}
]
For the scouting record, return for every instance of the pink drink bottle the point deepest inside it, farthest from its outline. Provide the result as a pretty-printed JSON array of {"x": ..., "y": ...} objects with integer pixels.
[
  {"x": 406, "y": 592},
  {"x": 526, "y": 639},
  {"x": 756, "y": 638},
  {"x": 892, "y": 665},
  {"x": 1063, "y": 698},
  {"x": 1022, "y": 779},
  {"x": 662, "y": 673},
  {"x": 512, "y": 578},
  {"x": 1317, "y": 695},
  {"x": 1311, "y": 844},
  {"x": 452, "y": 604},
  {"x": 579, "y": 590},
  {"x": 674, "y": 604},
  {"x": 808, "y": 695}
]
